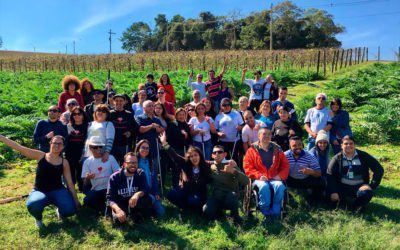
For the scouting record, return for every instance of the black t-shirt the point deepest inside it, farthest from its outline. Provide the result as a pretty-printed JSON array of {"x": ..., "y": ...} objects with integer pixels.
[
  {"x": 123, "y": 121},
  {"x": 151, "y": 91},
  {"x": 76, "y": 140}
]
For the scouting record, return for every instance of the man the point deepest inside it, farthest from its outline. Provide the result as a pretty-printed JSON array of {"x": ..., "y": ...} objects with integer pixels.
[
  {"x": 250, "y": 130},
  {"x": 229, "y": 123},
  {"x": 348, "y": 175},
  {"x": 95, "y": 173},
  {"x": 151, "y": 88},
  {"x": 149, "y": 128},
  {"x": 317, "y": 118},
  {"x": 244, "y": 106},
  {"x": 107, "y": 91},
  {"x": 199, "y": 85},
  {"x": 169, "y": 106},
  {"x": 127, "y": 192},
  {"x": 282, "y": 101},
  {"x": 89, "y": 109},
  {"x": 196, "y": 98},
  {"x": 266, "y": 164},
  {"x": 256, "y": 88},
  {"x": 125, "y": 127},
  {"x": 213, "y": 85},
  {"x": 305, "y": 172},
  {"x": 47, "y": 129},
  {"x": 226, "y": 179}
]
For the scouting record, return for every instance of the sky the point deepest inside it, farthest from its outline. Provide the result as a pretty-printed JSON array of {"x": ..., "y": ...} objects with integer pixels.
[{"x": 54, "y": 25}]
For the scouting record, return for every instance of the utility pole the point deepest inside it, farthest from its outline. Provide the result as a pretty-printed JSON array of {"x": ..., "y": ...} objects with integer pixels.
[
  {"x": 270, "y": 29},
  {"x": 109, "y": 38},
  {"x": 167, "y": 47},
  {"x": 66, "y": 48},
  {"x": 74, "y": 46}
]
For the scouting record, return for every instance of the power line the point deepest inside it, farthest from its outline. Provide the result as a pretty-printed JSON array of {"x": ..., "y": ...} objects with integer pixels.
[{"x": 346, "y": 3}]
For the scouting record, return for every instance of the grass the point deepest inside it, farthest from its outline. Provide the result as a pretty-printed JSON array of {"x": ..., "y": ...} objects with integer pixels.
[{"x": 302, "y": 228}]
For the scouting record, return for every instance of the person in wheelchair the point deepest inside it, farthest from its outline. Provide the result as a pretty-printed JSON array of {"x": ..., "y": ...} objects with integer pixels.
[
  {"x": 267, "y": 166},
  {"x": 305, "y": 172},
  {"x": 226, "y": 180}
]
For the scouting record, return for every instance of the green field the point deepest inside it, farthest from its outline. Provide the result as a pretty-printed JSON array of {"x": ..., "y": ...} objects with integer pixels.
[{"x": 26, "y": 96}]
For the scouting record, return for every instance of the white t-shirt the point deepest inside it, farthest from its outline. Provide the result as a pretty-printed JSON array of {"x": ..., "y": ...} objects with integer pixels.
[
  {"x": 105, "y": 130},
  {"x": 227, "y": 123},
  {"x": 200, "y": 86},
  {"x": 202, "y": 125},
  {"x": 251, "y": 135},
  {"x": 102, "y": 171},
  {"x": 318, "y": 118},
  {"x": 267, "y": 90},
  {"x": 256, "y": 92}
]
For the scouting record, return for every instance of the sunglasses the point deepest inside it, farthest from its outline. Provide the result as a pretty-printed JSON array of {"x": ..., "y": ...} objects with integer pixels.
[
  {"x": 76, "y": 114},
  {"x": 218, "y": 152},
  {"x": 96, "y": 147},
  {"x": 226, "y": 105},
  {"x": 190, "y": 110},
  {"x": 53, "y": 110},
  {"x": 101, "y": 110},
  {"x": 161, "y": 92},
  {"x": 144, "y": 148},
  {"x": 71, "y": 104}
]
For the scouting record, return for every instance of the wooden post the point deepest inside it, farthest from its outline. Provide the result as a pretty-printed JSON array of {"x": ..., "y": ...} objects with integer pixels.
[
  {"x": 318, "y": 59},
  {"x": 379, "y": 53},
  {"x": 347, "y": 56},
  {"x": 337, "y": 59},
  {"x": 350, "y": 56},
  {"x": 363, "y": 55},
  {"x": 333, "y": 61},
  {"x": 341, "y": 59},
  {"x": 324, "y": 62},
  {"x": 359, "y": 55}
]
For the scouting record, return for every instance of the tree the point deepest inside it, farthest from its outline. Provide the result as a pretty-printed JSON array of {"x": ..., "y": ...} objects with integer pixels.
[{"x": 137, "y": 38}]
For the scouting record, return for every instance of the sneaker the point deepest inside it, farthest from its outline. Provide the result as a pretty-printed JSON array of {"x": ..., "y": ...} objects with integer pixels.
[
  {"x": 38, "y": 223},
  {"x": 59, "y": 215}
]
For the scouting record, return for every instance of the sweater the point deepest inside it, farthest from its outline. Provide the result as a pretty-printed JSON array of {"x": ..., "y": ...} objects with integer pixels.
[
  {"x": 43, "y": 127},
  {"x": 169, "y": 92},
  {"x": 63, "y": 98}
]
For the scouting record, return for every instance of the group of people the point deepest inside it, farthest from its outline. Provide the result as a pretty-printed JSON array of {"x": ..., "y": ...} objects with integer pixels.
[{"x": 120, "y": 149}]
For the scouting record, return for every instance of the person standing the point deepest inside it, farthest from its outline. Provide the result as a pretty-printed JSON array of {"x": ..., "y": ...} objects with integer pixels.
[
  {"x": 250, "y": 130},
  {"x": 86, "y": 91},
  {"x": 340, "y": 124},
  {"x": 45, "y": 130},
  {"x": 97, "y": 100},
  {"x": 213, "y": 85},
  {"x": 151, "y": 88},
  {"x": 283, "y": 102},
  {"x": 165, "y": 84},
  {"x": 317, "y": 118},
  {"x": 71, "y": 86},
  {"x": 284, "y": 128},
  {"x": 256, "y": 88},
  {"x": 348, "y": 175},
  {"x": 197, "y": 85}
]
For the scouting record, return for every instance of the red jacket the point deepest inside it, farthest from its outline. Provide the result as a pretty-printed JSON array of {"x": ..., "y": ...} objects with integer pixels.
[
  {"x": 169, "y": 92},
  {"x": 62, "y": 100},
  {"x": 254, "y": 167}
]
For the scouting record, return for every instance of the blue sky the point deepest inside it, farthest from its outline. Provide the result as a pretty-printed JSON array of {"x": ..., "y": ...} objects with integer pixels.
[{"x": 50, "y": 25}]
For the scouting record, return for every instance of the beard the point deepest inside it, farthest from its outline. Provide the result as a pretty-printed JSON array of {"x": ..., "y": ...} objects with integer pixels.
[{"x": 131, "y": 170}]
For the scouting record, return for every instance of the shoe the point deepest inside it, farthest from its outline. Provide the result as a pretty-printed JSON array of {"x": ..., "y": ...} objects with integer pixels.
[
  {"x": 59, "y": 216},
  {"x": 38, "y": 223}
]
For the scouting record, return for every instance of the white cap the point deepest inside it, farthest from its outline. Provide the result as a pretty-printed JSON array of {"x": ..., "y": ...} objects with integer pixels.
[{"x": 96, "y": 141}]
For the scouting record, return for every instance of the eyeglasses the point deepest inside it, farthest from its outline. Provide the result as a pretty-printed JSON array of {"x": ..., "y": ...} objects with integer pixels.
[
  {"x": 144, "y": 148},
  {"x": 71, "y": 104},
  {"x": 76, "y": 114},
  {"x": 190, "y": 110},
  {"x": 321, "y": 98},
  {"x": 226, "y": 105},
  {"x": 96, "y": 147},
  {"x": 53, "y": 110},
  {"x": 101, "y": 110},
  {"x": 57, "y": 143},
  {"x": 131, "y": 162},
  {"x": 218, "y": 152},
  {"x": 161, "y": 92}
]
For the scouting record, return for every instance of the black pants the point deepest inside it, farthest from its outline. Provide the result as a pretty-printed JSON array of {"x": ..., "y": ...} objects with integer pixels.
[
  {"x": 317, "y": 185},
  {"x": 255, "y": 104},
  {"x": 143, "y": 207},
  {"x": 214, "y": 206},
  {"x": 360, "y": 198}
]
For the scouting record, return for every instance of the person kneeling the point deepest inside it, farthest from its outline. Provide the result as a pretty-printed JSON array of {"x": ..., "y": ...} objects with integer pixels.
[
  {"x": 226, "y": 179},
  {"x": 95, "y": 173},
  {"x": 348, "y": 175},
  {"x": 127, "y": 192},
  {"x": 305, "y": 172}
]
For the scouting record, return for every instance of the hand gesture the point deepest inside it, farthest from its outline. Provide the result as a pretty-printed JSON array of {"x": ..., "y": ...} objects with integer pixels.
[
  {"x": 221, "y": 134},
  {"x": 121, "y": 216},
  {"x": 50, "y": 135},
  {"x": 163, "y": 138},
  {"x": 133, "y": 201},
  {"x": 90, "y": 175},
  {"x": 105, "y": 156},
  {"x": 291, "y": 132},
  {"x": 230, "y": 167},
  {"x": 127, "y": 134}
]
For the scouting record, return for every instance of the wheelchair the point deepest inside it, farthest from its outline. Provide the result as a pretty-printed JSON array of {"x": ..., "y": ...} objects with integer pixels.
[{"x": 251, "y": 200}]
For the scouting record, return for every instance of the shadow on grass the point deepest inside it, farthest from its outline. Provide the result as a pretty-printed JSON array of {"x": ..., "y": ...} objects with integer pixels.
[
  {"x": 377, "y": 212},
  {"x": 387, "y": 192}
]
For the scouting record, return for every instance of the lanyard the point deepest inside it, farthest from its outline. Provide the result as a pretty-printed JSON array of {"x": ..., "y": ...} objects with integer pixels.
[{"x": 129, "y": 184}]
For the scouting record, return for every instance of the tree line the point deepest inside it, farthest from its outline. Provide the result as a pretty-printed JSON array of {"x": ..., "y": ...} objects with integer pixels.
[{"x": 292, "y": 28}]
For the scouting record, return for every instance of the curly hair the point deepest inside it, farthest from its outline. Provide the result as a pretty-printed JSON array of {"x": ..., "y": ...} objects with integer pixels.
[{"x": 68, "y": 79}]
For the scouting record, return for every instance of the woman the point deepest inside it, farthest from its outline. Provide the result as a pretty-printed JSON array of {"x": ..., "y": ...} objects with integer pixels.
[
  {"x": 135, "y": 95},
  {"x": 200, "y": 130},
  {"x": 71, "y": 86},
  {"x": 145, "y": 163},
  {"x": 178, "y": 134},
  {"x": 161, "y": 113},
  {"x": 71, "y": 103},
  {"x": 273, "y": 91},
  {"x": 225, "y": 91},
  {"x": 189, "y": 112},
  {"x": 195, "y": 174},
  {"x": 265, "y": 114},
  {"x": 128, "y": 103},
  {"x": 100, "y": 126},
  {"x": 341, "y": 125},
  {"x": 165, "y": 83},
  {"x": 48, "y": 187},
  {"x": 87, "y": 91},
  {"x": 210, "y": 109},
  {"x": 77, "y": 132},
  {"x": 284, "y": 128},
  {"x": 321, "y": 151},
  {"x": 137, "y": 107}
]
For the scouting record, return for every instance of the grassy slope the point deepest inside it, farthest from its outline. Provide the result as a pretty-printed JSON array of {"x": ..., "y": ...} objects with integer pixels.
[{"x": 303, "y": 228}]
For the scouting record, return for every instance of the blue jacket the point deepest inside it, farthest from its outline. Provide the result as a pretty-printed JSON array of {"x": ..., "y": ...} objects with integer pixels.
[
  {"x": 43, "y": 127},
  {"x": 341, "y": 126}
]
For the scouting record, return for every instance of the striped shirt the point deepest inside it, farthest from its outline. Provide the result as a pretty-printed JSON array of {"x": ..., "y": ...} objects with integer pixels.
[
  {"x": 352, "y": 171},
  {"x": 213, "y": 86},
  {"x": 306, "y": 160}
]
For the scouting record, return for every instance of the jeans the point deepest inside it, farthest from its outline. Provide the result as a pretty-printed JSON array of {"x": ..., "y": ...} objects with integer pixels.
[
  {"x": 95, "y": 199},
  {"x": 311, "y": 143},
  {"x": 61, "y": 198},
  {"x": 182, "y": 199},
  {"x": 157, "y": 206},
  {"x": 214, "y": 206},
  {"x": 216, "y": 105},
  {"x": 208, "y": 147},
  {"x": 265, "y": 196}
]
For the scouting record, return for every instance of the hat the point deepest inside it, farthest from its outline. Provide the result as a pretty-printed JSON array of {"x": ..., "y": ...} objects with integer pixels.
[
  {"x": 72, "y": 100},
  {"x": 97, "y": 91},
  {"x": 96, "y": 141},
  {"x": 119, "y": 95},
  {"x": 322, "y": 136}
]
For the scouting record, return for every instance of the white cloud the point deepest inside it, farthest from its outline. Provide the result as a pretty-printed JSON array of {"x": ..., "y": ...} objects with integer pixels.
[{"x": 104, "y": 13}]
